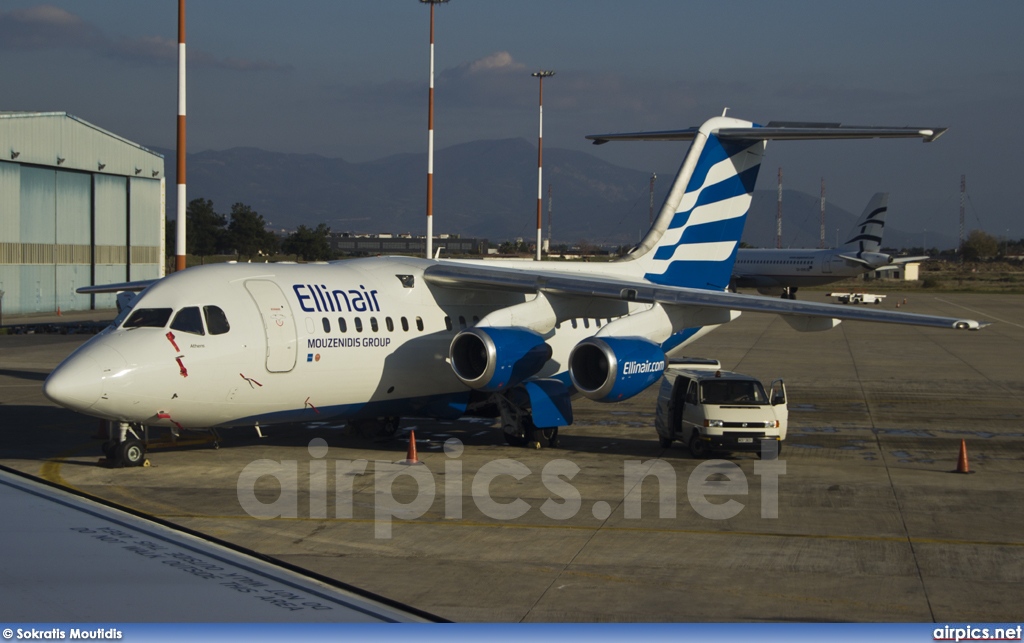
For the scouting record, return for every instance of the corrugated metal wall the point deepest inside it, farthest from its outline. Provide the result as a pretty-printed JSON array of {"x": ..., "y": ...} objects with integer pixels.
[{"x": 66, "y": 220}]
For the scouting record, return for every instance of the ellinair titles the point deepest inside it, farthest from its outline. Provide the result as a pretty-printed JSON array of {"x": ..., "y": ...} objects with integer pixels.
[{"x": 326, "y": 300}]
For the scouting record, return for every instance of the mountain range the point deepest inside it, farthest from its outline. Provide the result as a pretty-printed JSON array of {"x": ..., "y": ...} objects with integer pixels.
[{"x": 483, "y": 189}]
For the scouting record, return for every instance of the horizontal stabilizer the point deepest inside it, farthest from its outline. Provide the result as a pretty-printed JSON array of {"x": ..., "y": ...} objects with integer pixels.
[
  {"x": 130, "y": 286},
  {"x": 909, "y": 259},
  {"x": 780, "y": 131}
]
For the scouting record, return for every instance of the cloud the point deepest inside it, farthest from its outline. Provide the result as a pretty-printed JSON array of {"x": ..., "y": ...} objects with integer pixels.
[
  {"x": 49, "y": 27},
  {"x": 498, "y": 61},
  {"x": 46, "y": 27}
]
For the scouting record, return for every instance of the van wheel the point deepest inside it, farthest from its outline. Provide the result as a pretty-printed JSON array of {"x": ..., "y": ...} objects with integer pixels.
[
  {"x": 771, "y": 456},
  {"x": 698, "y": 448},
  {"x": 665, "y": 442}
]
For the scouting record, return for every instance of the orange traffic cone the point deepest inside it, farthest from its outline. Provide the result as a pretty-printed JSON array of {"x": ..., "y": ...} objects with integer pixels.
[
  {"x": 58, "y": 311},
  {"x": 961, "y": 463},
  {"x": 410, "y": 456}
]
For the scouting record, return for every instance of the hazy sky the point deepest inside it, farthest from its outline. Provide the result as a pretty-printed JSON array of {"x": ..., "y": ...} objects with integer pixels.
[{"x": 349, "y": 79}]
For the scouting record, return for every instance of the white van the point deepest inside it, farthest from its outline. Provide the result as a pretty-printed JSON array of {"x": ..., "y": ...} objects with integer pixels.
[{"x": 713, "y": 410}]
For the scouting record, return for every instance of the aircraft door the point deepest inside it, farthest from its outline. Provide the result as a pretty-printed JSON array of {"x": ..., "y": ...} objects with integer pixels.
[
  {"x": 278, "y": 324},
  {"x": 826, "y": 265}
]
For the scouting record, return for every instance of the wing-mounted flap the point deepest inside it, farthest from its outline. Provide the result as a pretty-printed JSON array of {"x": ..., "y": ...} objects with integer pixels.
[
  {"x": 550, "y": 402},
  {"x": 806, "y": 324}
]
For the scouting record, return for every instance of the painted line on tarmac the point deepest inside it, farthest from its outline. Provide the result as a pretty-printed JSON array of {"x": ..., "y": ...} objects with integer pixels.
[
  {"x": 979, "y": 312},
  {"x": 648, "y": 530}
]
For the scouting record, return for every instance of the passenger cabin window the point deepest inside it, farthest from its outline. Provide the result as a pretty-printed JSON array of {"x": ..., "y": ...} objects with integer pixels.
[
  {"x": 390, "y": 324},
  {"x": 359, "y": 325},
  {"x": 405, "y": 324},
  {"x": 148, "y": 318},
  {"x": 342, "y": 326},
  {"x": 188, "y": 320},
  {"x": 462, "y": 322},
  {"x": 419, "y": 323},
  {"x": 216, "y": 320},
  {"x": 327, "y": 325},
  {"x": 373, "y": 324},
  {"x": 447, "y": 322}
]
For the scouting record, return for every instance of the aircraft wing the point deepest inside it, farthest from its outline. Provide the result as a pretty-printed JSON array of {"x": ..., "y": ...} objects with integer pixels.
[
  {"x": 471, "y": 276},
  {"x": 781, "y": 131}
]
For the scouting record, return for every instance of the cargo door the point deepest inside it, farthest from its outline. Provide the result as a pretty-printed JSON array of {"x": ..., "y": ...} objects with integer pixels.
[{"x": 278, "y": 324}]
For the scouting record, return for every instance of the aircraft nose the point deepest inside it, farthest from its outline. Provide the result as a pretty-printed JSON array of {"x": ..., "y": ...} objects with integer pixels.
[{"x": 78, "y": 383}]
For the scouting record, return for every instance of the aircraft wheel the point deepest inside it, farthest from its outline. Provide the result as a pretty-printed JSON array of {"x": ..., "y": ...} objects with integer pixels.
[
  {"x": 550, "y": 436},
  {"x": 515, "y": 440},
  {"x": 109, "y": 449},
  {"x": 698, "y": 448},
  {"x": 665, "y": 442},
  {"x": 131, "y": 453}
]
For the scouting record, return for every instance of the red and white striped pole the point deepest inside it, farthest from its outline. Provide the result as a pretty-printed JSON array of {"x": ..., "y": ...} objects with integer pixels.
[
  {"x": 540, "y": 75},
  {"x": 430, "y": 137},
  {"x": 179, "y": 261}
]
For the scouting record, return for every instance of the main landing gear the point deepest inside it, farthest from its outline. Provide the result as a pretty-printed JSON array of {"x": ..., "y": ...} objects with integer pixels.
[
  {"x": 789, "y": 293},
  {"x": 517, "y": 423},
  {"x": 124, "y": 446}
]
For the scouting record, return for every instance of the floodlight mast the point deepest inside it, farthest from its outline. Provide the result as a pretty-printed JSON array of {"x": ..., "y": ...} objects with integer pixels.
[
  {"x": 540, "y": 75},
  {"x": 180, "y": 245},
  {"x": 430, "y": 135}
]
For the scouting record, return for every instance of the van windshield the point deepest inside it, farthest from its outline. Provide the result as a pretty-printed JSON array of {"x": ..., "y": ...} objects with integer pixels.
[{"x": 732, "y": 392}]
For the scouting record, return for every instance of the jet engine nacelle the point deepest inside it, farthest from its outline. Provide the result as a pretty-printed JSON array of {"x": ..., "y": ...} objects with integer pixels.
[
  {"x": 493, "y": 359},
  {"x": 611, "y": 369}
]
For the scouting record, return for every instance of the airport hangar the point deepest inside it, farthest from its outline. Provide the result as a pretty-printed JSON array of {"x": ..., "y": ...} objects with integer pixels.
[{"x": 78, "y": 206}]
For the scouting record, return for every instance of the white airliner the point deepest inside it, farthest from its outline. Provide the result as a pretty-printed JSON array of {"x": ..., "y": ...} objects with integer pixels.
[
  {"x": 782, "y": 272},
  {"x": 255, "y": 344}
]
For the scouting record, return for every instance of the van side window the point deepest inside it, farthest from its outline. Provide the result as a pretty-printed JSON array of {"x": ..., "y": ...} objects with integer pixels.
[
  {"x": 691, "y": 392},
  {"x": 216, "y": 320},
  {"x": 188, "y": 320}
]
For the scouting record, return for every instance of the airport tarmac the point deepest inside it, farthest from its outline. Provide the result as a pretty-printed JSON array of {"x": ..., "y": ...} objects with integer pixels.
[{"x": 872, "y": 525}]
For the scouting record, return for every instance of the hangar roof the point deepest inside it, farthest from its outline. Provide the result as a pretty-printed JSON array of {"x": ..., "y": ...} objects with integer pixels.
[{"x": 63, "y": 140}]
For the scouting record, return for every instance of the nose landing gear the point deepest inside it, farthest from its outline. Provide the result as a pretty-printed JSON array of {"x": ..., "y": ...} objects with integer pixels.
[{"x": 124, "y": 447}]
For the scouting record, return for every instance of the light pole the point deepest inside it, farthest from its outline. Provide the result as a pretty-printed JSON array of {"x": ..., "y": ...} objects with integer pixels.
[
  {"x": 430, "y": 136},
  {"x": 180, "y": 245},
  {"x": 540, "y": 75}
]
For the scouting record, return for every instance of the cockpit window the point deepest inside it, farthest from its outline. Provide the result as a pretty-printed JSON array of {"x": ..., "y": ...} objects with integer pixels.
[
  {"x": 148, "y": 318},
  {"x": 216, "y": 320},
  {"x": 188, "y": 321}
]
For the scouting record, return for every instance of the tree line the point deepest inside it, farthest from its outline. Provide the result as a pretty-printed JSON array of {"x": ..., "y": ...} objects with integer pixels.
[{"x": 243, "y": 233}]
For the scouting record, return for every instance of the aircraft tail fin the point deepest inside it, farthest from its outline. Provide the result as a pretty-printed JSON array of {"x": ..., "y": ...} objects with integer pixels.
[
  {"x": 694, "y": 239},
  {"x": 866, "y": 234}
]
